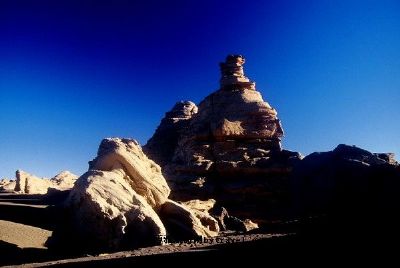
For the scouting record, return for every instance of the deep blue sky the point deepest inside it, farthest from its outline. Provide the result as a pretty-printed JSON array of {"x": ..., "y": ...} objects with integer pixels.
[{"x": 74, "y": 72}]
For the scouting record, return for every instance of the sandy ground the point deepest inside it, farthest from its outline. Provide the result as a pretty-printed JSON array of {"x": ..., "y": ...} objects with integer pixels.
[
  {"x": 23, "y": 236},
  {"x": 166, "y": 251},
  {"x": 26, "y": 222}
]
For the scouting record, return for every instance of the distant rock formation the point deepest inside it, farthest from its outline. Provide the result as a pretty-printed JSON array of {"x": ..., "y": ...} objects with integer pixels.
[
  {"x": 26, "y": 183},
  {"x": 123, "y": 201},
  {"x": 162, "y": 145},
  {"x": 65, "y": 180},
  {"x": 7, "y": 185},
  {"x": 29, "y": 184},
  {"x": 230, "y": 149}
]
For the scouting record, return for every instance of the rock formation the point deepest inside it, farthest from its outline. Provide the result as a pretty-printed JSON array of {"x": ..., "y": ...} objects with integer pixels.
[
  {"x": 345, "y": 178},
  {"x": 230, "y": 149},
  {"x": 29, "y": 184},
  {"x": 162, "y": 145},
  {"x": 123, "y": 201},
  {"x": 65, "y": 180},
  {"x": 26, "y": 183},
  {"x": 7, "y": 185}
]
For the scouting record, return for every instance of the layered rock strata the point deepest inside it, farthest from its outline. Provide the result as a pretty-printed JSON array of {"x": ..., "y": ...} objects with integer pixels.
[{"x": 230, "y": 149}]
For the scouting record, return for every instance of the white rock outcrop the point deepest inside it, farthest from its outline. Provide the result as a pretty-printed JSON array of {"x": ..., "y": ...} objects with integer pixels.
[
  {"x": 29, "y": 184},
  {"x": 65, "y": 180},
  {"x": 7, "y": 185},
  {"x": 122, "y": 201},
  {"x": 26, "y": 183}
]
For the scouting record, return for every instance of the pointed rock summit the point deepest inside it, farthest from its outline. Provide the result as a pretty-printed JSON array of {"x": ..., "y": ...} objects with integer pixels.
[
  {"x": 230, "y": 148},
  {"x": 232, "y": 74}
]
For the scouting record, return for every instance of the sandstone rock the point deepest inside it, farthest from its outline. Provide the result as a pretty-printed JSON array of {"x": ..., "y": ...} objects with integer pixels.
[
  {"x": 201, "y": 210},
  {"x": 234, "y": 133},
  {"x": 122, "y": 201},
  {"x": 7, "y": 185},
  {"x": 183, "y": 223},
  {"x": 64, "y": 180},
  {"x": 388, "y": 157},
  {"x": 29, "y": 184},
  {"x": 230, "y": 149},
  {"x": 227, "y": 222},
  {"x": 200, "y": 205},
  {"x": 145, "y": 175},
  {"x": 109, "y": 213},
  {"x": 162, "y": 145},
  {"x": 249, "y": 225}
]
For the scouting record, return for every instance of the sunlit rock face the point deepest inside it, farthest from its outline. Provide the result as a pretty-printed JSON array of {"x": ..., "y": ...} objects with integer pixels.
[
  {"x": 123, "y": 202},
  {"x": 230, "y": 149},
  {"x": 26, "y": 183},
  {"x": 7, "y": 185}
]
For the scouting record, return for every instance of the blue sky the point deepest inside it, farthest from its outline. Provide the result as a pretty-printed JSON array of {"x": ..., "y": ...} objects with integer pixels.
[{"x": 74, "y": 72}]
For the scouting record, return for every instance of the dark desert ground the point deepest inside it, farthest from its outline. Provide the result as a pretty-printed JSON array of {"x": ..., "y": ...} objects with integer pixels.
[{"x": 27, "y": 222}]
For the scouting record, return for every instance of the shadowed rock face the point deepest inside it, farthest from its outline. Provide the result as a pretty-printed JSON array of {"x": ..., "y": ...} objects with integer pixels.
[
  {"x": 347, "y": 178},
  {"x": 162, "y": 145}
]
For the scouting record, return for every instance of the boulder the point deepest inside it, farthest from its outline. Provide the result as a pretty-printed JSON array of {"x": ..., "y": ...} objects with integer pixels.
[
  {"x": 108, "y": 212},
  {"x": 123, "y": 201},
  {"x": 227, "y": 222},
  {"x": 185, "y": 224}
]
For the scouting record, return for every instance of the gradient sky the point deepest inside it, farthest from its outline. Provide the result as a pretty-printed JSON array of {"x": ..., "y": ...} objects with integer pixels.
[{"x": 74, "y": 72}]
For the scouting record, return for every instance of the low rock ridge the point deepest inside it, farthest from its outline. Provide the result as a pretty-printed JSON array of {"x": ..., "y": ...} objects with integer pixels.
[
  {"x": 346, "y": 178},
  {"x": 26, "y": 183}
]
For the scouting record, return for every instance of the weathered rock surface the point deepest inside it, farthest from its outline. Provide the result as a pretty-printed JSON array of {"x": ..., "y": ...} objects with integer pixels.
[
  {"x": 227, "y": 222},
  {"x": 162, "y": 145},
  {"x": 184, "y": 223},
  {"x": 122, "y": 201},
  {"x": 29, "y": 184},
  {"x": 345, "y": 178},
  {"x": 7, "y": 185},
  {"x": 230, "y": 149},
  {"x": 235, "y": 130},
  {"x": 65, "y": 180}
]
